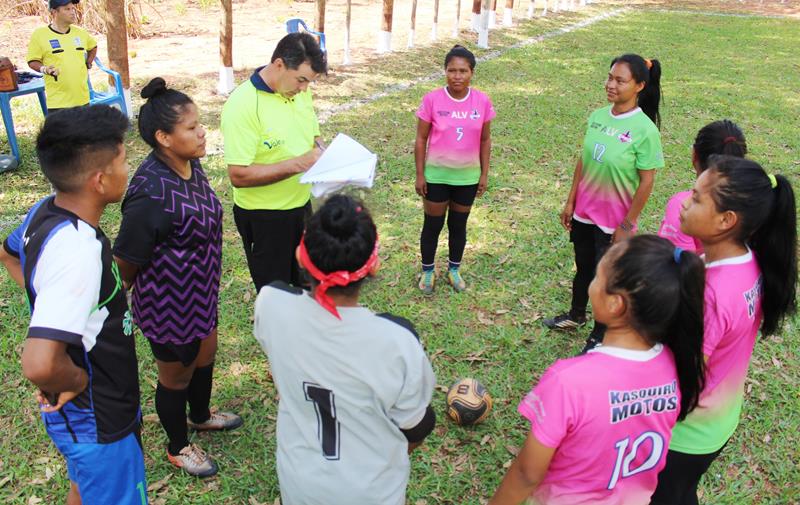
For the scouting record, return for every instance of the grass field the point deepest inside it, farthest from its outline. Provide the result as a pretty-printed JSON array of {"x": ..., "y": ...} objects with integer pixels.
[{"x": 518, "y": 261}]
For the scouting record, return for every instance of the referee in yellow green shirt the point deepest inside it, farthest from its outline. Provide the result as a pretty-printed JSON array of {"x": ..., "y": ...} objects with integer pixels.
[
  {"x": 64, "y": 54},
  {"x": 271, "y": 136}
]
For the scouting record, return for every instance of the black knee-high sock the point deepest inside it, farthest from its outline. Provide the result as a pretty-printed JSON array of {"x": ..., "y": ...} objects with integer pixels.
[
  {"x": 200, "y": 393},
  {"x": 457, "y": 233},
  {"x": 429, "y": 239},
  {"x": 171, "y": 409}
]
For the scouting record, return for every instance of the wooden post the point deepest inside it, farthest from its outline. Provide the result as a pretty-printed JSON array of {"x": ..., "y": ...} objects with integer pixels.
[
  {"x": 436, "y": 19},
  {"x": 319, "y": 19},
  {"x": 508, "y": 14},
  {"x": 476, "y": 15},
  {"x": 346, "y": 60},
  {"x": 457, "y": 25},
  {"x": 493, "y": 15},
  {"x": 413, "y": 23},
  {"x": 385, "y": 35},
  {"x": 483, "y": 34},
  {"x": 117, "y": 39},
  {"x": 225, "y": 83}
]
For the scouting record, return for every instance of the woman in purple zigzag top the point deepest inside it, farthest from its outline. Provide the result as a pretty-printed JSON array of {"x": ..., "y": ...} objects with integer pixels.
[{"x": 169, "y": 249}]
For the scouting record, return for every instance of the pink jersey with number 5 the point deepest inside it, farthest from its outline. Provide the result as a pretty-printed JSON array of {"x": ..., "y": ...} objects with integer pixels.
[{"x": 609, "y": 414}]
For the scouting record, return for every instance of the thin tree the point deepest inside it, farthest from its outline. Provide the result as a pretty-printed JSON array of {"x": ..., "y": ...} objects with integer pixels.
[
  {"x": 476, "y": 15},
  {"x": 457, "y": 25},
  {"x": 413, "y": 23},
  {"x": 346, "y": 60},
  {"x": 117, "y": 39},
  {"x": 434, "y": 35},
  {"x": 483, "y": 34},
  {"x": 508, "y": 14},
  {"x": 385, "y": 35},
  {"x": 225, "y": 84},
  {"x": 493, "y": 15},
  {"x": 319, "y": 19}
]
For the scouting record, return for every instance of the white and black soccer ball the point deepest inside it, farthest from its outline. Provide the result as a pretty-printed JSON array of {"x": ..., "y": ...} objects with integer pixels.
[{"x": 468, "y": 402}]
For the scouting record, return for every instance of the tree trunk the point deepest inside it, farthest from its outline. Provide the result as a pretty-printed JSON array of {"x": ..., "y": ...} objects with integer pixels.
[
  {"x": 385, "y": 35},
  {"x": 319, "y": 20},
  {"x": 457, "y": 25},
  {"x": 508, "y": 14},
  {"x": 483, "y": 33},
  {"x": 434, "y": 34},
  {"x": 117, "y": 39},
  {"x": 413, "y": 23},
  {"x": 476, "y": 15},
  {"x": 347, "y": 33},
  {"x": 225, "y": 83}
]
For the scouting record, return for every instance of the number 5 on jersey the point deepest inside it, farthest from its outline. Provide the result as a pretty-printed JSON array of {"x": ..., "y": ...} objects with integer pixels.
[
  {"x": 327, "y": 425},
  {"x": 459, "y": 133}
]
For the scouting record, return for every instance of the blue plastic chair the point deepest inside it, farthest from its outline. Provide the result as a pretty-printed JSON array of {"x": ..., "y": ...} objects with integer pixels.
[
  {"x": 293, "y": 26},
  {"x": 114, "y": 96}
]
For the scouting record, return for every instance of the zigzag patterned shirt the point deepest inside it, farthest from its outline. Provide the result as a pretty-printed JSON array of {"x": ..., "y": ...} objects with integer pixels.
[{"x": 172, "y": 229}]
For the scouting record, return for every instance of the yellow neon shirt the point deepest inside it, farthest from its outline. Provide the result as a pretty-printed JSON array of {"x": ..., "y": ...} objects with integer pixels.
[
  {"x": 67, "y": 52},
  {"x": 262, "y": 127}
]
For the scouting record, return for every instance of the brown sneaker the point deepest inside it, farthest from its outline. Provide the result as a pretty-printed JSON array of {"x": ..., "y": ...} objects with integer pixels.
[
  {"x": 219, "y": 421},
  {"x": 194, "y": 461}
]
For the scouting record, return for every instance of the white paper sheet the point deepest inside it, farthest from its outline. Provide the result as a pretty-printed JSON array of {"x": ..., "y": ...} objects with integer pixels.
[{"x": 344, "y": 163}]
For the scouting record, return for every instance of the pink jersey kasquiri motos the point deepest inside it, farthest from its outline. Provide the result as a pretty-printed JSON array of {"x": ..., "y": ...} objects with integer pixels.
[
  {"x": 609, "y": 414},
  {"x": 671, "y": 225}
]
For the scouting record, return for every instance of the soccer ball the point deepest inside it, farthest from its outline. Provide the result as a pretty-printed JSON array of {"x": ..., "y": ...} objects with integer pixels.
[{"x": 468, "y": 402}]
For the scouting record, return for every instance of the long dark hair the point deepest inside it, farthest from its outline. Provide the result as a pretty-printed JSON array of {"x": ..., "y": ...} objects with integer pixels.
[
  {"x": 664, "y": 290},
  {"x": 649, "y": 98},
  {"x": 340, "y": 236},
  {"x": 162, "y": 110},
  {"x": 719, "y": 137},
  {"x": 768, "y": 224}
]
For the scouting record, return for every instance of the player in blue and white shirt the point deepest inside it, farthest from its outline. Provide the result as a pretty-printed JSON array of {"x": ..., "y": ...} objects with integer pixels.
[{"x": 80, "y": 350}]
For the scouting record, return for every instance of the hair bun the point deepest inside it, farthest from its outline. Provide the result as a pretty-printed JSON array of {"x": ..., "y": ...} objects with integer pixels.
[
  {"x": 155, "y": 87},
  {"x": 340, "y": 219}
]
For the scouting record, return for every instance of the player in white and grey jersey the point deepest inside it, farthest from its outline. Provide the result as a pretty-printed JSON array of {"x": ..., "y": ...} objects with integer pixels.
[{"x": 355, "y": 387}]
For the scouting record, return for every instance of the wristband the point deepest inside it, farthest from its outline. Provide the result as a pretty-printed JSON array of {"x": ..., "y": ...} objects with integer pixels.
[{"x": 626, "y": 225}]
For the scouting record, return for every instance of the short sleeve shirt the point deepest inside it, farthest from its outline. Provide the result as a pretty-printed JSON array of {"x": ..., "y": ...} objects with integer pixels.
[
  {"x": 454, "y": 142},
  {"x": 172, "y": 229},
  {"x": 76, "y": 297},
  {"x": 610, "y": 415},
  {"x": 615, "y": 148},
  {"x": 67, "y": 52},
  {"x": 671, "y": 225},
  {"x": 732, "y": 315},
  {"x": 260, "y": 126},
  {"x": 347, "y": 387}
]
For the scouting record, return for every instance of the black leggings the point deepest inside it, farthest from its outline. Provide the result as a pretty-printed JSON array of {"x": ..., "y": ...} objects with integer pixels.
[
  {"x": 457, "y": 237},
  {"x": 590, "y": 243},
  {"x": 677, "y": 482}
]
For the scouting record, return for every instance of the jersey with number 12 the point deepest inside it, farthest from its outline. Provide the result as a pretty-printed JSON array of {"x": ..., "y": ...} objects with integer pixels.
[
  {"x": 454, "y": 142},
  {"x": 610, "y": 414}
]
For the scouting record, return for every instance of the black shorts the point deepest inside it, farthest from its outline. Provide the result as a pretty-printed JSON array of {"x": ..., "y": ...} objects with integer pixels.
[
  {"x": 170, "y": 353},
  {"x": 462, "y": 195}
]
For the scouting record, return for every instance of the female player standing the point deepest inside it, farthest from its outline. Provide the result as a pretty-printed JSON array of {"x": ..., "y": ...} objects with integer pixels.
[
  {"x": 719, "y": 137},
  {"x": 169, "y": 248},
  {"x": 452, "y": 154},
  {"x": 601, "y": 422},
  {"x": 746, "y": 222},
  {"x": 614, "y": 177},
  {"x": 355, "y": 387}
]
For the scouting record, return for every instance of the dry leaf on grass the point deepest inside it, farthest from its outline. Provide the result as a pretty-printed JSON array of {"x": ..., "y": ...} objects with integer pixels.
[
  {"x": 484, "y": 319},
  {"x": 513, "y": 449},
  {"x": 156, "y": 486}
]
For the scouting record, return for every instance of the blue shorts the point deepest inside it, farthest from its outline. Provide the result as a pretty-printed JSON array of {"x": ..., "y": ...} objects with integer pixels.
[{"x": 107, "y": 473}]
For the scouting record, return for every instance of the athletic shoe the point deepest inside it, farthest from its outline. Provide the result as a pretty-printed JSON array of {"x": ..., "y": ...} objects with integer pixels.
[
  {"x": 194, "y": 461},
  {"x": 456, "y": 280},
  {"x": 595, "y": 339},
  {"x": 219, "y": 421},
  {"x": 564, "y": 322},
  {"x": 426, "y": 282}
]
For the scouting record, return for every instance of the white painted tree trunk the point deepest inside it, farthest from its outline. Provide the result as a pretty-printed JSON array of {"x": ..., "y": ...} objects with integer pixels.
[
  {"x": 508, "y": 17},
  {"x": 483, "y": 33},
  {"x": 384, "y": 42},
  {"x": 225, "y": 84}
]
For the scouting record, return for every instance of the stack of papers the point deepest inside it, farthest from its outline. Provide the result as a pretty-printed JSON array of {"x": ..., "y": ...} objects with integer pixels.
[{"x": 345, "y": 162}]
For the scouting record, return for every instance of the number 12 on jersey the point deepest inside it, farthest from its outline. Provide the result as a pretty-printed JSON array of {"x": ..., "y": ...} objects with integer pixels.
[
  {"x": 328, "y": 427},
  {"x": 622, "y": 466}
]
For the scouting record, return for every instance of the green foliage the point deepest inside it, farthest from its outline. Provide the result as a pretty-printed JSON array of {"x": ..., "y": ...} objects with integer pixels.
[{"x": 518, "y": 263}]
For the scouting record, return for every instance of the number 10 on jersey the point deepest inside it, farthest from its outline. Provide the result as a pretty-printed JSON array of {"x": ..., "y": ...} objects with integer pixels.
[{"x": 328, "y": 427}]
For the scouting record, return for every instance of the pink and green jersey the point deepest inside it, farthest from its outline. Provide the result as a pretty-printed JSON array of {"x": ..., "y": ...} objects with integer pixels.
[
  {"x": 454, "y": 142},
  {"x": 615, "y": 148},
  {"x": 610, "y": 414},
  {"x": 671, "y": 225},
  {"x": 732, "y": 316}
]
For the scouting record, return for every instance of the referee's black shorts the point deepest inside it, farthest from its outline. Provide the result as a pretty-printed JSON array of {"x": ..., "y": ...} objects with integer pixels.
[{"x": 270, "y": 238}]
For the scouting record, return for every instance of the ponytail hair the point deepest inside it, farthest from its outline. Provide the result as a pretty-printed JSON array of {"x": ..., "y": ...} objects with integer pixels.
[
  {"x": 768, "y": 224},
  {"x": 648, "y": 72},
  {"x": 663, "y": 287},
  {"x": 340, "y": 236},
  {"x": 719, "y": 137}
]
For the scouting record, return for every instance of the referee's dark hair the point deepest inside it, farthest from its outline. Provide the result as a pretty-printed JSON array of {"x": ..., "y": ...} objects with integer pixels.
[
  {"x": 162, "y": 110},
  {"x": 297, "y": 48},
  {"x": 73, "y": 141},
  {"x": 340, "y": 236},
  {"x": 460, "y": 52}
]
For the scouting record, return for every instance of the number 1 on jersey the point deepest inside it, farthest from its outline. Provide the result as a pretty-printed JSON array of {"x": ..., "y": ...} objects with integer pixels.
[
  {"x": 327, "y": 425},
  {"x": 459, "y": 133}
]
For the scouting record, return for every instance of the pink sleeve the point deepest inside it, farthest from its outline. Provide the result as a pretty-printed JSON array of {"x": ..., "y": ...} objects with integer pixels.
[
  {"x": 714, "y": 325},
  {"x": 489, "y": 112},
  {"x": 548, "y": 409},
  {"x": 425, "y": 111}
]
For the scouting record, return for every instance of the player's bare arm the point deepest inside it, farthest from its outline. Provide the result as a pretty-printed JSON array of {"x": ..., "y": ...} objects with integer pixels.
[
  {"x": 128, "y": 271},
  {"x": 420, "y": 150},
  {"x": 13, "y": 266},
  {"x": 261, "y": 175},
  {"x": 45, "y": 363},
  {"x": 485, "y": 156},
  {"x": 525, "y": 474}
]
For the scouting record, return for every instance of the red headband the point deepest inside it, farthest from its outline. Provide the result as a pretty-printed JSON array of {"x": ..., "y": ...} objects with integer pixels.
[{"x": 338, "y": 278}]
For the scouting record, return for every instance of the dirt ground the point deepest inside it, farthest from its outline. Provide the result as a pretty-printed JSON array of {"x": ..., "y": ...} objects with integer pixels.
[{"x": 181, "y": 36}]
